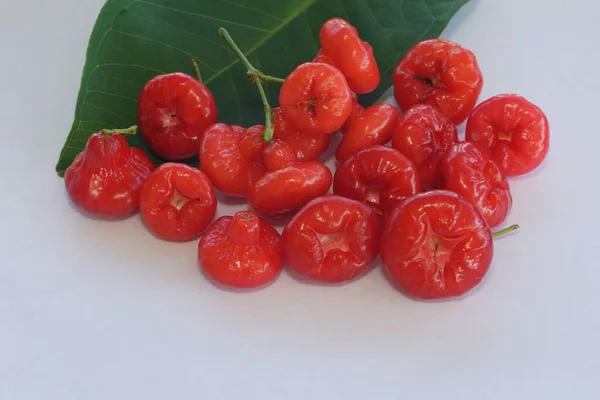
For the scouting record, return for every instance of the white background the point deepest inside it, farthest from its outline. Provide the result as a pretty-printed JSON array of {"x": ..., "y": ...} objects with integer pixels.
[{"x": 99, "y": 310}]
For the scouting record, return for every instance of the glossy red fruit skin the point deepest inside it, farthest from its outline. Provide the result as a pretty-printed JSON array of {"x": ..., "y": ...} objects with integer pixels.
[
  {"x": 242, "y": 251},
  {"x": 371, "y": 126},
  {"x": 289, "y": 185},
  {"x": 331, "y": 239},
  {"x": 342, "y": 45},
  {"x": 105, "y": 179},
  {"x": 440, "y": 73},
  {"x": 443, "y": 224},
  {"x": 471, "y": 173},
  {"x": 378, "y": 176},
  {"x": 231, "y": 156},
  {"x": 174, "y": 110},
  {"x": 279, "y": 155},
  {"x": 424, "y": 134},
  {"x": 306, "y": 147},
  {"x": 322, "y": 57},
  {"x": 315, "y": 99},
  {"x": 177, "y": 202},
  {"x": 357, "y": 110},
  {"x": 514, "y": 130}
]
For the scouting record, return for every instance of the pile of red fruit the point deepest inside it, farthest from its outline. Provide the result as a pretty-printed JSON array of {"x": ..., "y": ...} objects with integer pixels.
[{"x": 426, "y": 204}]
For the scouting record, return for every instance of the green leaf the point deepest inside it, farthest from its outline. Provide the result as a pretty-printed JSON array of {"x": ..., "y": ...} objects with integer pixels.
[{"x": 134, "y": 40}]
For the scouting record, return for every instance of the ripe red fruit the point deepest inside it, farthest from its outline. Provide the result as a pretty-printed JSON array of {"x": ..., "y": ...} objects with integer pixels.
[
  {"x": 177, "y": 202},
  {"x": 242, "y": 251},
  {"x": 105, "y": 178},
  {"x": 471, "y": 173},
  {"x": 279, "y": 155},
  {"x": 322, "y": 57},
  {"x": 232, "y": 157},
  {"x": 367, "y": 127},
  {"x": 424, "y": 135},
  {"x": 315, "y": 99},
  {"x": 306, "y": 147},
  {"x": 331, "y": 239},
  {"x": 378, "y": 176},
  {"x": 357, "y": 110},
  {"x": 174, "y": 110},
  {"x": 440, "y": 73},
  {"x": 436, "y": 245},
  {"x": 289, "y": 184},
  {"x": 342, "y": 46},
  {"x": 514, "y": 131}
]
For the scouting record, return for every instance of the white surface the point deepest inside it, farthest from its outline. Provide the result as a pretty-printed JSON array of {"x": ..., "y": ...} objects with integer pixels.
[{"x": 98, "y": 310}]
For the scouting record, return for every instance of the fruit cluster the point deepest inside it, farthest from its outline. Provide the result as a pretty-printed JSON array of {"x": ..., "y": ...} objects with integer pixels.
[{"x": 425, "y": 205}]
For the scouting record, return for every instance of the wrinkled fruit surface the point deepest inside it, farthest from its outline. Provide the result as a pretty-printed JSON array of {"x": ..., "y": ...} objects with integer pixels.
[
  {"x": 106, "y": 178},
  {"x": 316, "y": 99},
  {"x": 471, "y": 173},
  {"x": 436, "y": 245},
  {"x": 332, "y": 239},
  {"x": 242, "y": 251},
  {"x": 424, "y": 134},
  {"x": 177, "y": 202},
  {"x": 440, "y": 73},
  {"x": 174, "y": 110},
  {"x": 514, "y": 131},
  {"x": 378, "y": 176},
  {"x": 232, "y": 157}
]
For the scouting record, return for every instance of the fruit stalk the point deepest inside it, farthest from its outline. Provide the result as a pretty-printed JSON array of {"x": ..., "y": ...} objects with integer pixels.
[
  {"x": 255, "y": 76},
  {"x": 505, "y": 231},
  {"x": 264, "y": 77},
  {"x": 132, "y": 130},
  {"x": 196, "y": 69}
]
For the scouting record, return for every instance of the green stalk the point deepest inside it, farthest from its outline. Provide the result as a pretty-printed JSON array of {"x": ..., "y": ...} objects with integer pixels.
[
  {"x": 504, "y": 231},
  {"x": 196, "y": 69},
  {"x": 256, "y": 76},
  {"x": 132, "y": 130},
  {"x": 265, "y": 78}
]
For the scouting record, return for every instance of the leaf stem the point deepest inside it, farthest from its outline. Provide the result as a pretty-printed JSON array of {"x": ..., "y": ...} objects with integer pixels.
[
  {"x": 255, "y": 76},
  {"x": 504, "y": 231},
  {"x": 196, "y": 69},
  {"x": 132, "y": 130}
]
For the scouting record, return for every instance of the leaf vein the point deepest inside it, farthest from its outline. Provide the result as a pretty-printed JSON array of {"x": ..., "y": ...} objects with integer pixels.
[
  {"x": 91, "y": 121},
  {"x": 105, "y": 110},
  {"x": 127, "y": 66},
  {"x": 312, "y": 38},
  {"x": 253, "y": 9},
  {"x": 237, "y": 99},
  {"x": 343, "y": 9},
  {"x": 118, "y": 96},
  {"x": 166, "y": 45},
  {"x": 215, "y": 42},
  {"x": 202, "y": 15},
  {"x": 379, "y": 26}
]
